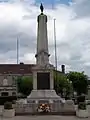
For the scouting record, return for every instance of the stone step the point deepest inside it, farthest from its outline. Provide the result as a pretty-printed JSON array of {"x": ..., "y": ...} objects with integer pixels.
[{"x": 51, "y": 113}]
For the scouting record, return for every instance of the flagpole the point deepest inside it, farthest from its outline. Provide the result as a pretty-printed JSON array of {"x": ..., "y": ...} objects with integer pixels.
[
  {"x": 55, "y": 45},
  {"x": 17, "y": 51}
]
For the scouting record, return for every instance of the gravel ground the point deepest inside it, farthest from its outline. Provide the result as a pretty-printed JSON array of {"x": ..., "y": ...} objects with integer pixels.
[
  {"x": 50, "y": 117},
  {"x": 44, "y": 118}
]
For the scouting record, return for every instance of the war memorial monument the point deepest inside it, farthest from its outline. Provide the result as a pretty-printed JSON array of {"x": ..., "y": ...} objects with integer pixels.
[{"x": 43, "y": 83}]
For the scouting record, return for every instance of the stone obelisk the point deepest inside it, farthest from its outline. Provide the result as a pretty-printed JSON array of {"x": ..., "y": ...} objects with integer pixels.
[
  {"x": 43, "y": 84},
  {"x": 42, "y": 56}
]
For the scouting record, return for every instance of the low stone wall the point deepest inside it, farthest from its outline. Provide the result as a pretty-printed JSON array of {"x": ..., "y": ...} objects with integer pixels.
[
  {"x": 31, "y": 108},
  {"x": 68, "y": 106},
  {"x": 25, "y": 108},
  {"x": 88, "y": 107}
]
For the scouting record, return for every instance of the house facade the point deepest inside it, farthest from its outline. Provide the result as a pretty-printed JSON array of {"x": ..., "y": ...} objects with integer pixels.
[{"x": 8, "y": 77}]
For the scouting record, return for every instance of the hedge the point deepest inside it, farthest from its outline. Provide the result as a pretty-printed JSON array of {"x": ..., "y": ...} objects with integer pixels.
[{"x": 8, "y": 98}]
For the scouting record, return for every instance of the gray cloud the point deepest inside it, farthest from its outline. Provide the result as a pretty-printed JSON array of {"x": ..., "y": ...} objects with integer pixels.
[
  {"x": 82, "y": 8},
  {"x": 73, "y": 35}
]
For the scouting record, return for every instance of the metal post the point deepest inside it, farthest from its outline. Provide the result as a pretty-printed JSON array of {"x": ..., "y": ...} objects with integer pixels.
[
  {"x": 17, "y": 51},
  {"x": 55, "y": 52}
]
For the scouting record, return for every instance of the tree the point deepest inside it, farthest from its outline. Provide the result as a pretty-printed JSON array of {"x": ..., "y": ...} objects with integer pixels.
[
  {"x": 61, "y": 84},
  {"x": 79, "y": 82},
  {"x": 25, "y": 84}
]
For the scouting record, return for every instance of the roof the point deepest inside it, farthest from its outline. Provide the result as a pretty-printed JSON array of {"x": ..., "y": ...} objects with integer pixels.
[{"x": 16, "y": 68}]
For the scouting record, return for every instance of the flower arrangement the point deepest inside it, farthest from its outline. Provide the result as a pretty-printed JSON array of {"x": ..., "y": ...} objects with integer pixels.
[{"x": 43, "y": 108}]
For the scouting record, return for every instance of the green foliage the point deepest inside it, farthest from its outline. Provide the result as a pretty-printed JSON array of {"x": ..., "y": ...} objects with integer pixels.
[
  {"x": 81, "y": 99},
  {"x": 4, "y": 99},
  {"x": 61, "y": 83},
  {"x": 79, "y": 82},
  {"x": 14, "y": 102},
  {"x": 25, "y": 84},
  {"x": 82, "y": 106},
  {"x": 8, "y": 105}
]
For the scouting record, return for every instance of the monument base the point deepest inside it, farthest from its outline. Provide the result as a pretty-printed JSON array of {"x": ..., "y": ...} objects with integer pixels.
[
  {"x": 37, "y": 97},
  {"x": 43, "y": 95}
]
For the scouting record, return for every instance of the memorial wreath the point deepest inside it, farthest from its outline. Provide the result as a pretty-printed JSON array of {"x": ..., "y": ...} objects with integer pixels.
[{"x": 43, "y": 108}]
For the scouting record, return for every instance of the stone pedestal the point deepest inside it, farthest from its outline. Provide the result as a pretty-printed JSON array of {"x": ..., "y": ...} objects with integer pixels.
[
  {"x": 42, "y": 69},
  {"x": 43, "y": 94}
]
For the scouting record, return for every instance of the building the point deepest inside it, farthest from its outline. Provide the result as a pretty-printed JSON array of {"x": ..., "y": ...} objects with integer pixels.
[{"x": 8, "y": 76}]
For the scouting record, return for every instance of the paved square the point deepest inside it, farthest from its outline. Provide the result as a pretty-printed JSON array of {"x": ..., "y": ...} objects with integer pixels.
[{"x": 52, "y": 117}]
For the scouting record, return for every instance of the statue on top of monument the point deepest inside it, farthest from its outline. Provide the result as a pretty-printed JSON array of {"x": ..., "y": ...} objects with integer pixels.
[{"x": 41, "y": 8}]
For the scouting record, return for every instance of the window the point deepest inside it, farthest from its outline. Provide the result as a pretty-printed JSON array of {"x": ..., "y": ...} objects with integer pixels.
[
  {"x": 5, "y": 82},
  {"x": 4, "y": 94},
  {"x": 13, "y": 93},
  {"x": 14, "y": 80}
]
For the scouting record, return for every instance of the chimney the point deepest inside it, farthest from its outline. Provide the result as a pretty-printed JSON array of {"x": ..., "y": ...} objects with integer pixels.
[
  {"x": 63, "y": 68},
  {"x": 21, "y": 63}
]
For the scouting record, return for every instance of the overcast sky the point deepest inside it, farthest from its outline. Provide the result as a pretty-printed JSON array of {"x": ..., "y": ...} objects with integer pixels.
[{"x": 18, "y": 18}]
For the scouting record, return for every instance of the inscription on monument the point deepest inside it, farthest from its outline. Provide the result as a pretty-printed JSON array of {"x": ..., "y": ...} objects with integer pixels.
[{"x": 43, "y": 80}]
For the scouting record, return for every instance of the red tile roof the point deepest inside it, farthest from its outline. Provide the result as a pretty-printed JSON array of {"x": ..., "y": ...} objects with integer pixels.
[{"x": 16, "y": 68}]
